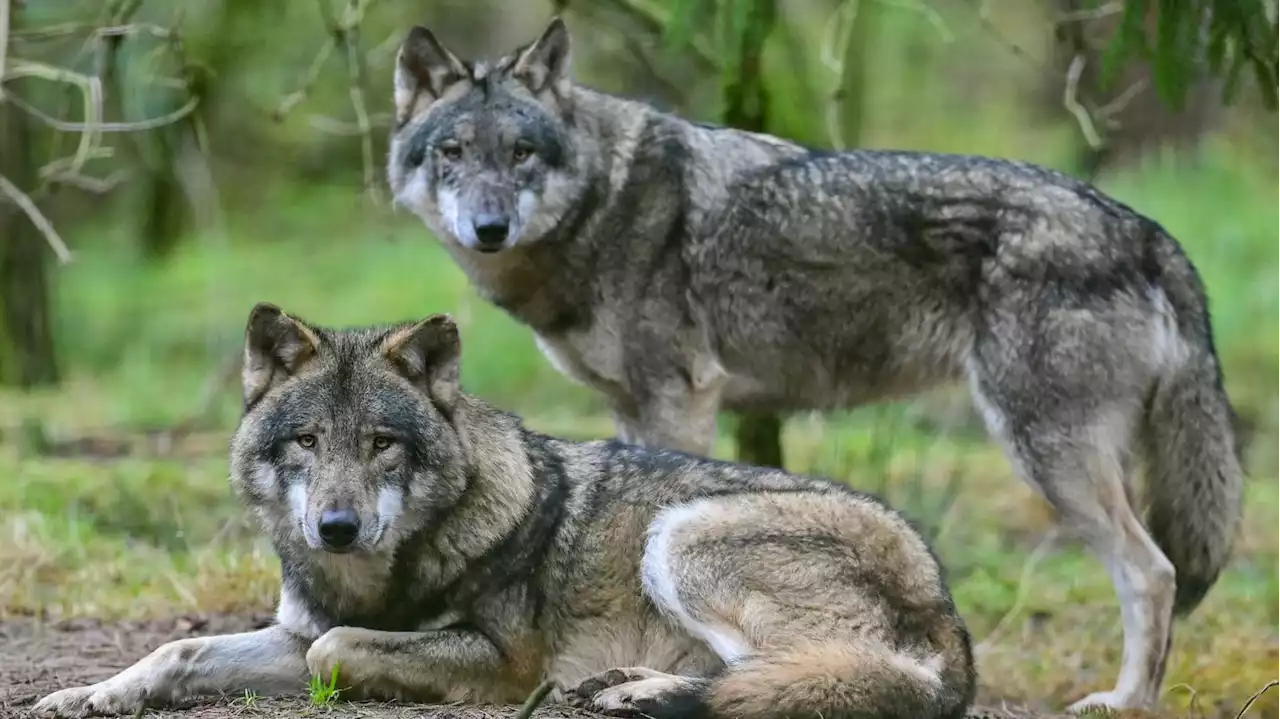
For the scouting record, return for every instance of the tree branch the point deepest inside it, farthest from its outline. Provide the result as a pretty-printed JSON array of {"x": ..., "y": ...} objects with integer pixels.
[
  {"x": 356, "y": 88},
  {"x": 107, "y": 127},
  {"x": 22, "y": 200},
  {"x": 655, "y": 20},
  {"x": 299, "y": 95},
  {"x": 90, "y": 87},
  {"x": 4, "y": 42},
  {"x": 1071, "y": 101},
  {"x": 116, "y": 18}
]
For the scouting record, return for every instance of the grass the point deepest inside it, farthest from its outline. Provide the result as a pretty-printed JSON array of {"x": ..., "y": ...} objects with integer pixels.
[
  {"x": 145, "y": 536},
  {"x": 322, "y": 693}
]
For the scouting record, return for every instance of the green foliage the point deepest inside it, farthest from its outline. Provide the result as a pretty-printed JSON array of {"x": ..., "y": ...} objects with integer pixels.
[
  {"x": 1239, "y": 35},
  {"x": 1224, "y": 37},
  {"x": 324, "y": 693}
]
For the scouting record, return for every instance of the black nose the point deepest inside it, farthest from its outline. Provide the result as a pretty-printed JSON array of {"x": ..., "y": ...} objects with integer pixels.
[
  {"x": 338, "y": 528},
  {"x": 491, "y": 231}
]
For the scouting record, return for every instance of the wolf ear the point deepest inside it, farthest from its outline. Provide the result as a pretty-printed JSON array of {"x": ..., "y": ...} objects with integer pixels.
[
  {"x": 275, "y": 347},
  {"x": 545, "y": 64},
  {"x": 424, "y": 67},
  {"x": 428, "y": 354}
]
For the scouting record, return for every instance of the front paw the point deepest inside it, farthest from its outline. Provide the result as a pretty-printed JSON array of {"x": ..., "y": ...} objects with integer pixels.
[
  {"x": 338, "y": 653},
  {"x": 331, "y": 651},
  {"x": 102, "y": 699}
]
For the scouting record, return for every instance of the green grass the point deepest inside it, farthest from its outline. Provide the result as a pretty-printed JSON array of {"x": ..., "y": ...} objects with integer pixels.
[{"x": 324, "y": 693}]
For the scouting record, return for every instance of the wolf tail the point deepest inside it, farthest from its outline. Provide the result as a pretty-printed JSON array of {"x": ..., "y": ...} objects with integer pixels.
[
  {"x": 1196, "y": 479},
  {"x": 827, "y": 681}
]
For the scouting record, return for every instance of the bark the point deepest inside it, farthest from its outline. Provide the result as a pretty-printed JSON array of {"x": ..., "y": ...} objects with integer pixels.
[
  {"x": 27, "y": 356},
  {"x": 746, "y": 106}
]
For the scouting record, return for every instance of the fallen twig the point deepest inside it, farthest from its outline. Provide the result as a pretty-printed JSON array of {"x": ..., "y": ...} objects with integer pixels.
[
  {"x": 535, "y": 700},
  {"x": 1249, "y": 704}
]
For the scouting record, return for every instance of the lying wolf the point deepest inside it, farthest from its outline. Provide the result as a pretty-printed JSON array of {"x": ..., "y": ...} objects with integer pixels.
[
  {"x": 681, "y": 269},
  {"x": 435, "y": 549}
]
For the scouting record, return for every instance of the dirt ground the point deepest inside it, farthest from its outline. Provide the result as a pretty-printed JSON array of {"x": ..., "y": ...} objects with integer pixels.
[{"x": 37, "y": 658}]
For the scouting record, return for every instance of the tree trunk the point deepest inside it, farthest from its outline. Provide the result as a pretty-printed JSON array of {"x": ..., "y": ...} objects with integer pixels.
[
  {"x": 26, "y": 342},
  {"x": 746, "y": 106},
  {"x": 166, "y": 211},
  {"x": 758, "y": 435}
]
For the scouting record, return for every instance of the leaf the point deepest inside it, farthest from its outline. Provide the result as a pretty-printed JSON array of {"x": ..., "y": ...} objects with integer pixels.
[
  {"x": 1167, "y": 64},
  {"x": 1232, "y": 79},
  {"x": 1266, "y": 82},
  {"x": 683, "y": 24},
  {"x": 1216, "y": 50},
  {"x": 1129, "y": 39}
]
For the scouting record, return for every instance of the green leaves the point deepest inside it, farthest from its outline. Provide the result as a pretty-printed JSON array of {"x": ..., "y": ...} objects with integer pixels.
[
  {"x": 688, "y": 18},
  {"x": 728, "y": 23},
  {"x": 1228, "y": 35}
]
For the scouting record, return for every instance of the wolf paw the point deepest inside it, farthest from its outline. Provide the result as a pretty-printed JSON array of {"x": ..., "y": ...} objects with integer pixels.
[
  {"x": 582, "y": 695},
  {"x": 1106, "y": 701},
  {"x": 95, "y": 700},
  {"x": 632, "y": 691}
]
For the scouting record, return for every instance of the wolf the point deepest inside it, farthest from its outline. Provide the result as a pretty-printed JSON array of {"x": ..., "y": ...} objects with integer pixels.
[
  {"x": 681, "y": 269},
  {"x": 434, "y": 548}
]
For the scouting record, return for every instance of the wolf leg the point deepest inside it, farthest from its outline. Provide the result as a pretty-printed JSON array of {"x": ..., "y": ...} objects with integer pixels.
[
  {"x": 443, "y": 665},
  {"x": 268, "y": 661},
  {"x": 1080, "y": 464},
  {"x": 759, "y": 439},
  {"x": 673, "y": 404}
]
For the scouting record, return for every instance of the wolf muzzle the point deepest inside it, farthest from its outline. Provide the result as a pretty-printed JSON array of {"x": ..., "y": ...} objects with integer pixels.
[
  {"x": 491, "y": 231},
  {"x": 338, "y": 529}
]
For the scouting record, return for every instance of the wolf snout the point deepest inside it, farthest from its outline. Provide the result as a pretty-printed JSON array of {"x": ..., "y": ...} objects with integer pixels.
[
  {"x": 338, "y": 529},
  {"x": 491, "y": 231}
]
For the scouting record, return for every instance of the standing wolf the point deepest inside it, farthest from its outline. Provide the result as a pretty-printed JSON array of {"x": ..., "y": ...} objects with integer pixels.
[
  {"x": 433, "y": 548},
  {"x": 680, "y": 269}
]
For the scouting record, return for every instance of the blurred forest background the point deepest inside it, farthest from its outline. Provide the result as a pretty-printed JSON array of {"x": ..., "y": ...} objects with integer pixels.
[{"x": 164, "y": 166}]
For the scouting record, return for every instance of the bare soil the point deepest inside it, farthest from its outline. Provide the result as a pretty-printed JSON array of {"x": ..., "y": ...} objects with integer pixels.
[{"x": 38, "y": 657}]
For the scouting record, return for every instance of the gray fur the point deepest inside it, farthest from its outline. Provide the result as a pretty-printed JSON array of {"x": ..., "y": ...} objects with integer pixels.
[
  {"x": 682, "y": 269},
  {"x": 491, "y": 558}
]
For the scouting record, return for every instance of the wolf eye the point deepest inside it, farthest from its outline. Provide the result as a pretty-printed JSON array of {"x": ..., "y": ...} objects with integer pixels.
[
  {"x": 307, "y": 440},
  {"x": 522, "y": 152},
  {"x": 380, "y": 443},
  {"x": 451, "y": 151}
]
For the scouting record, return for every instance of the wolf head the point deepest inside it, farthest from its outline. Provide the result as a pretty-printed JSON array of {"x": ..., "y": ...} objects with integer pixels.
[
  {"x": 483, "y": 153},
  {"x": 346, "y": 442}
]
